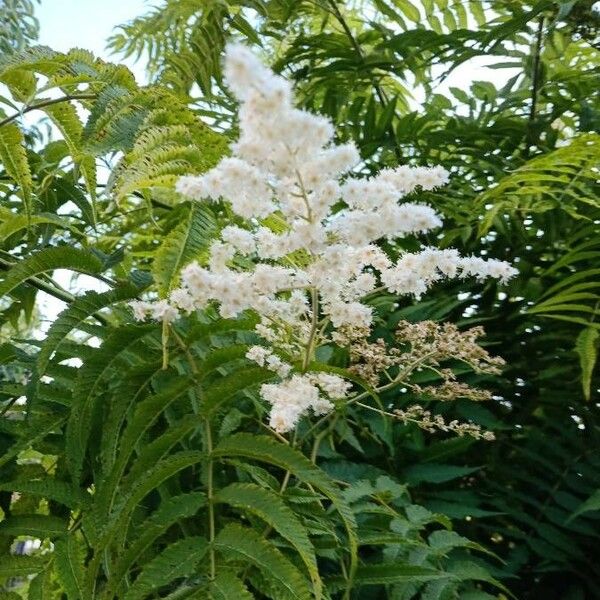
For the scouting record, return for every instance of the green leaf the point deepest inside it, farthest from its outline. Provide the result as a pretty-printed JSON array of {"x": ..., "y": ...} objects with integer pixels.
[
  {"x": 409, "y": 9},
  {"x": 560, "y": 179},
  {"x": 69, "y": 559},
  {"x": 389, "y": 573},
  {"x": 476, "y": 7},
  {"x": 586, "y": 347},
  {"x": 41, "y": 587},
  {"x": 146, "y": 413},
  {"x": 265, "y": 449},
  {"x": 75, "y": 314},
  {"x": 437, "y": 473},
  {"x": 229, "y": 386},
  {"x": 36, "y": 432},
  {"x": 590, "y": 505},
  {"x": 14, "y": 160},
  {"x": 69, "y": 191},
  {"x": 48, "y": 488},
  {"x": 40, "y": 526},
  {"x": 170, "y": 512},
  {"x": 176, "y": 561},
  {"x": 91, "y": 376},
  {"x": 272, "y": 509},
  {"x": 226, "y": 586},
  {"x": 136, "y": 491},
  {"x": 160, "y": 446},
  {"x": 64, "y": 116},
  {"x": 61, "y": 257},
  {"x": 466, "y": 570},
  {"x": 14, "y": 222},
  {"x": 182, "y": 245},
  {"x": 442, "y": 541},
  {"x": 246, "y": 544},
  {"x": 120, "y": 348},
  {"x": 16, "y": 566},
  {"x": 162, "y": 153}
]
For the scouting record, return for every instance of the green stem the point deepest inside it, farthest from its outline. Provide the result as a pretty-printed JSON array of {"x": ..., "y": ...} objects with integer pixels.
[
  {"x": 210, "y": 496},
  {"x": 165, "y": 345},
  {"x": 209, "y": 448},
  {"x": 535, "y": 86},
  {"x": 381, "y": 95},
  {"x": 319, "y": 438},
  {"x": 313, "y": 329}
]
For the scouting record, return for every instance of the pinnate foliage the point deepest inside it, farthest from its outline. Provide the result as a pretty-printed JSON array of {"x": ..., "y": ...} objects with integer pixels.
[{"x": 118, "y": 465}]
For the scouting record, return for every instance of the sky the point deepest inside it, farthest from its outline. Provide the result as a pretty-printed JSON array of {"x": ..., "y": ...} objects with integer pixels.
[{"x": 66, "y": 24}]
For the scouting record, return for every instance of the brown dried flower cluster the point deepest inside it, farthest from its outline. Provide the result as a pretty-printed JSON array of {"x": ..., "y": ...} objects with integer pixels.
[
  {"x": 370, "y": 359},
  {"x": 435, "y": 343},
  {"x": 431, "y": 423},
  {"x": 426, "y": 345},
  {"x": 423, "y": 345},
  {"x": 452, "y": 390}
]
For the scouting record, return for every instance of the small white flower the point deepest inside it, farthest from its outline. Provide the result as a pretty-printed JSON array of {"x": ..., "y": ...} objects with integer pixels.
[
  {"x": 163, "y": 311},
  {"x": 140, "y": 309},
  {"x": 304, "y": 251}
]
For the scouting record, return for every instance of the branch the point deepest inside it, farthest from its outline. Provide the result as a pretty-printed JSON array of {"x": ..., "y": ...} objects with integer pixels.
[
  {"x": 383, "y": 100},
  {"x": 535, "y": 85},
  {"x": 50, "y": 289},
  {"x": 44, "y": 103}
]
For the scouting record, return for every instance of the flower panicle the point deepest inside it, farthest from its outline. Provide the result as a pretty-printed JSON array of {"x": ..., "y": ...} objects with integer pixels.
[{"x": 286, "y": 166}]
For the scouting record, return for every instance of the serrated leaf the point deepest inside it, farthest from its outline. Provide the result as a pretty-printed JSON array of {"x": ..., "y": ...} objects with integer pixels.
[
  {"x": 40, "y": 587},
  {"x": 409, "y": 9},
  {"x": 265, "y": 449},
  {"x": 75, "y": 314},
  {"x": 144, "y": 416},
  {"x": 13, "y": 223},
  {"x": 36, "y": 432},
  {"x": 49, "y": 259},
  {"x": 466, "y": 570},
  {"x": 169, "y": 512},
  {"x": 182, "y": 245},
  {"x": 228, "y": 386},
  {"x": 14, "y": 160},
  {"x": 176, "y": 561},
  {"x": 226, "y": 586},
  {"x": 69, "y": 559},
  {"x": 90, "y": 377},
  {"x": 17, "y": 566},
  {"x": 389, "y": 573},
  {"x": 40, "y": 526},
  {"x": 243, "y": 543},
  {"x": 48, "y": 488},
  {"x": 586, "y": 347},
  {"x": 64, "y": 116},
  {"x": 270, "y": 508},
  {"x": 130, "y": 496}
]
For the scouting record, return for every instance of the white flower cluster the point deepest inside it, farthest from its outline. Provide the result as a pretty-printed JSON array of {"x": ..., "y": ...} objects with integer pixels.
[{"x": 310, "y": 239}]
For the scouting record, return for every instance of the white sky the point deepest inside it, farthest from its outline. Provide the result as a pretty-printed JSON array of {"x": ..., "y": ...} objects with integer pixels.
[
  {"x": 66, "y": 24},
  {"x": 87, "y": 24}
]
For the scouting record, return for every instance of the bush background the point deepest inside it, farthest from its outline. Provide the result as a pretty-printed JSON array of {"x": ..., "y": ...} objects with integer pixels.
[{"x": 94, "y": 194}]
